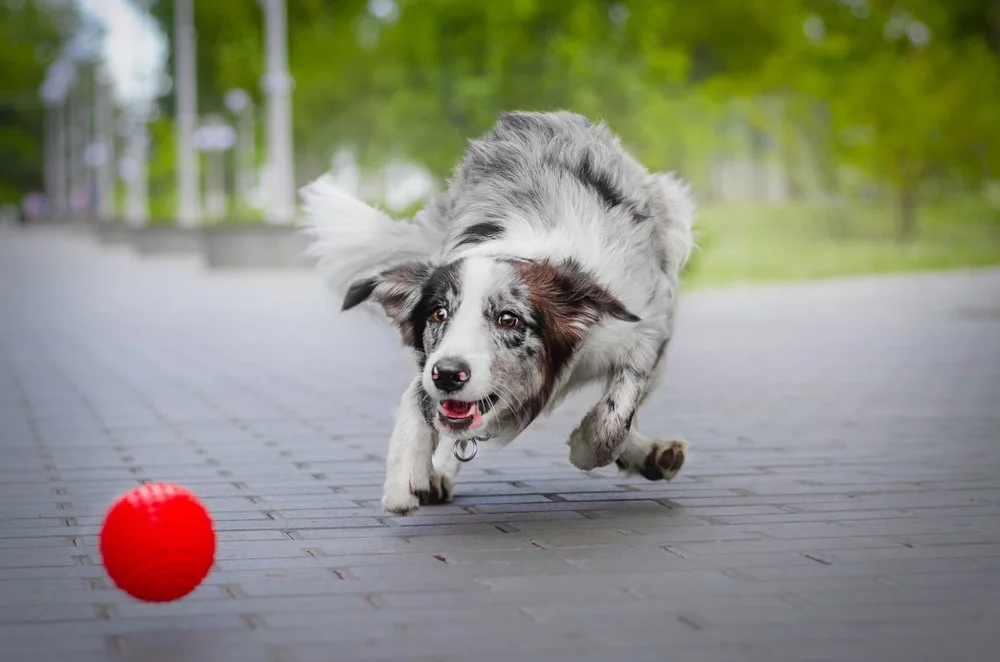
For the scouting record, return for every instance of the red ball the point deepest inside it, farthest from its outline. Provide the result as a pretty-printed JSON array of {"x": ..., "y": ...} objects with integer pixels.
[{"x": 157, "y": 542}]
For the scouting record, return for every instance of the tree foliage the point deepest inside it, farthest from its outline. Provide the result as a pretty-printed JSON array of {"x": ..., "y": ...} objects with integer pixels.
[
  {"x": 898, "y": 92},
  {"x": 896, "y": 96},
  {"x": 29, "y": 40}
]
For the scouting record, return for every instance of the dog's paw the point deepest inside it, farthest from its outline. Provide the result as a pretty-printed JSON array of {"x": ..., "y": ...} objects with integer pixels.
[
  {"x": 400, "y": 503},
  {"x": 663, "y": 461},
  {"x": 402, "y": 498},
  {"x": 596, "y": 442},
  {"x": 441, "y": 489},
  {"x": 581, "y": 454}
]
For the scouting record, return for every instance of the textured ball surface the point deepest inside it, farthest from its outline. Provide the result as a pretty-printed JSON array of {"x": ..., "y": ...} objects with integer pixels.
[{"x": 157, "y": 542}]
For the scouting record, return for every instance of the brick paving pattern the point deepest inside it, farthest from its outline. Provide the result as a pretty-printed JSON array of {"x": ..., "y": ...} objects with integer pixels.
[{"x": 841, "y": 501}]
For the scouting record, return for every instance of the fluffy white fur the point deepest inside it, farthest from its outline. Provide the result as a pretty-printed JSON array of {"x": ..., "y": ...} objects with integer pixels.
[
  {"x": 540, "y": 187},
  {"x": 353, "y": 239}
]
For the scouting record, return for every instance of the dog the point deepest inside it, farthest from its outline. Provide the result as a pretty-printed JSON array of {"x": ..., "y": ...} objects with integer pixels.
[{"x": 551, "y": 261}]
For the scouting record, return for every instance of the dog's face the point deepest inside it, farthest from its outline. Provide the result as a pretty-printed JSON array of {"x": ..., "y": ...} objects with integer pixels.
[{"x": 492, "y": 335}]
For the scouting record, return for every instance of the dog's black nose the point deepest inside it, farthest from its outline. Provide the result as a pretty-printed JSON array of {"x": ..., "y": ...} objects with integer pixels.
[{"x": 450, "y": 375}]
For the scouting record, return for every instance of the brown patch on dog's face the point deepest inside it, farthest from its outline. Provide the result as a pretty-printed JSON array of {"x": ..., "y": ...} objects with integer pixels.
[{"x": 567, "y": 302}]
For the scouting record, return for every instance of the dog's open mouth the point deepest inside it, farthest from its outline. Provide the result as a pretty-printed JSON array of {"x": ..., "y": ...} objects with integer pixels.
[{"x": 464, "y": 414}]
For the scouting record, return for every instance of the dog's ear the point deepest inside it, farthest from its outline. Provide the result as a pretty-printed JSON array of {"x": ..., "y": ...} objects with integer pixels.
[
  {"x": 569, "y": 299},
  {"x": 582, "y": 291},
  {"x": 397, "y": 290}
]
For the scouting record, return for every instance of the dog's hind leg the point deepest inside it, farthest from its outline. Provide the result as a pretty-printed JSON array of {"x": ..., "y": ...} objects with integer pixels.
[
  {"x": 408, "y": 461},
  {"x": 651, "y": 458},
  {"x": 601, "y": 436},
  {"x": 607, "y": 432}
]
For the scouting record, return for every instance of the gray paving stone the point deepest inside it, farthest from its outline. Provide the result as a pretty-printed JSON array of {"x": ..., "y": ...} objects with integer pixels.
[
  {"x": 251, "y": 604},
  {"x": 32, "y": 647},
  {"x": 451, "y": 643},
  {"x": 840, "y": 503},
  {"x": 21, "y": 614},
  {"x": 181, "y": 623}
]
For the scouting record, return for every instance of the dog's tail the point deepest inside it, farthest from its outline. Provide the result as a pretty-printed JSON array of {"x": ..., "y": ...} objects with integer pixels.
[
  {"x": 673, "y": 205},
  {"x": 352, "y": 240}
]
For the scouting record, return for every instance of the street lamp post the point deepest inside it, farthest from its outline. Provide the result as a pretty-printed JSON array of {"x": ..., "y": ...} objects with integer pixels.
[
  {"x": 68, "y": 114},
  {"x": 189, "y": 207},
  {"x": 74, "y": 146},
  {"x": 62, "y": 166},
  {"x": 215, "y": 137},
  {"x": 278, "y": 86},
  {"x": 104, "y": 146},
  {"x": 240, "y": 103},
  {"x": 135, "y": 166},
  {"x": 81, "y": 50},
  {"x": 59, "y": 78},
  {"x": 52, "y": 163}
]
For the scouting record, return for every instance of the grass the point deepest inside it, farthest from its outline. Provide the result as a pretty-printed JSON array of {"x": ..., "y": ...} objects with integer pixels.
[
  {"x": 756, "y": 243},
  {"x": 246, "y": 219},
  {"x": 753, "y": 243}
]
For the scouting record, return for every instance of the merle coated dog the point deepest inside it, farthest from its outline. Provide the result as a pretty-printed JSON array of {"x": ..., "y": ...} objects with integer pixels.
[{"x": 551, "y": 261}]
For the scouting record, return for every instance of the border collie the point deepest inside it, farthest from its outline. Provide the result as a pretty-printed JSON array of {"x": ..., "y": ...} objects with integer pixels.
[{"x": 551, "y": 261}]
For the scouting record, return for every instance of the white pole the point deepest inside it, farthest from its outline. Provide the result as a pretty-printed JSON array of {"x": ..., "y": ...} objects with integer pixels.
[
  {"x": 216, "y": 202},
  {"x": 63, "y": 118},
  {"x": 189, "y": 207},
  {"x": 278, "y": 85},
  {"x": 50, "y": 156},
  {"x": 247, "y": 151},
  {"x": 73, "y": 147},
  {"x": 240, "y": 103},
  {"x": 137, "y": 200},
  {"x": 136, "y": 119},
  {"x": 57, "y": 125},
  {"x": 103, "y": 121},
  {"x": 56, "y": 92},
  {"x": 88, "y": 176},
  {"x": 213, "y": 139}
]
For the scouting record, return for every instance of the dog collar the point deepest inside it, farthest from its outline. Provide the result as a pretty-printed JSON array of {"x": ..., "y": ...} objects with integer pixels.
[{"x": 465, "y": 449}]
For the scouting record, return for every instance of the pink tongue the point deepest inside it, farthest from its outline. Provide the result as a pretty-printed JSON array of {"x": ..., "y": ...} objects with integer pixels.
[
  {"x": 477, "y": 419},
  {"x": 456, "y": 409}
]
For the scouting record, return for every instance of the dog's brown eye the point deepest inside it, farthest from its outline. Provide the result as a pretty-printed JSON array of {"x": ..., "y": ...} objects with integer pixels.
[
  {"x": 507, "y": 320},
  {"x": 440, "y": 315}
]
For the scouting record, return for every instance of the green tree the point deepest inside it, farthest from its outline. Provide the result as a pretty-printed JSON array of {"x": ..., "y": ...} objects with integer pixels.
[
  {"x": 913, "y": 89},
  {"x": 28, "y": 43},
  {"x": 898, "y": 90}
]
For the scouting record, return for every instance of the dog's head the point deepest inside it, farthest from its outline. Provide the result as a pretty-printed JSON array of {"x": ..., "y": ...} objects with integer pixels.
[{"x": 492, "y": 334}]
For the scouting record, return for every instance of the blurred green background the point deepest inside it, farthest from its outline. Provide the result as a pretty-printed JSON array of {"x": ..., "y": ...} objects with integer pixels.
[{"x": 822, "y": 137}]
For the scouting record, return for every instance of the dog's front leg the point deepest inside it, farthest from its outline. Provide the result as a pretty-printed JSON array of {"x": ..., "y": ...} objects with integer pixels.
[
  {"x": 445, "y": 470},
  {"x": 408, "y": 462},
  {"x": 600, "y": 437}
]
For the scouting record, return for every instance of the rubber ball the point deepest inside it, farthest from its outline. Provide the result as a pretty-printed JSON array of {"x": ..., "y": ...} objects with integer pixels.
[{"x": 157, "y": 542}]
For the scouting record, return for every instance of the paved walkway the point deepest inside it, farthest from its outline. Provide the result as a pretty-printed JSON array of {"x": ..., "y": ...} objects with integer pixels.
[{"x": 842, "y": 500}]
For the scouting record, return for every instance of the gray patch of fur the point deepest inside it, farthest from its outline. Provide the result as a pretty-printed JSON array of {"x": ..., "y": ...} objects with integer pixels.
[{"x": 525, "y": 164}]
